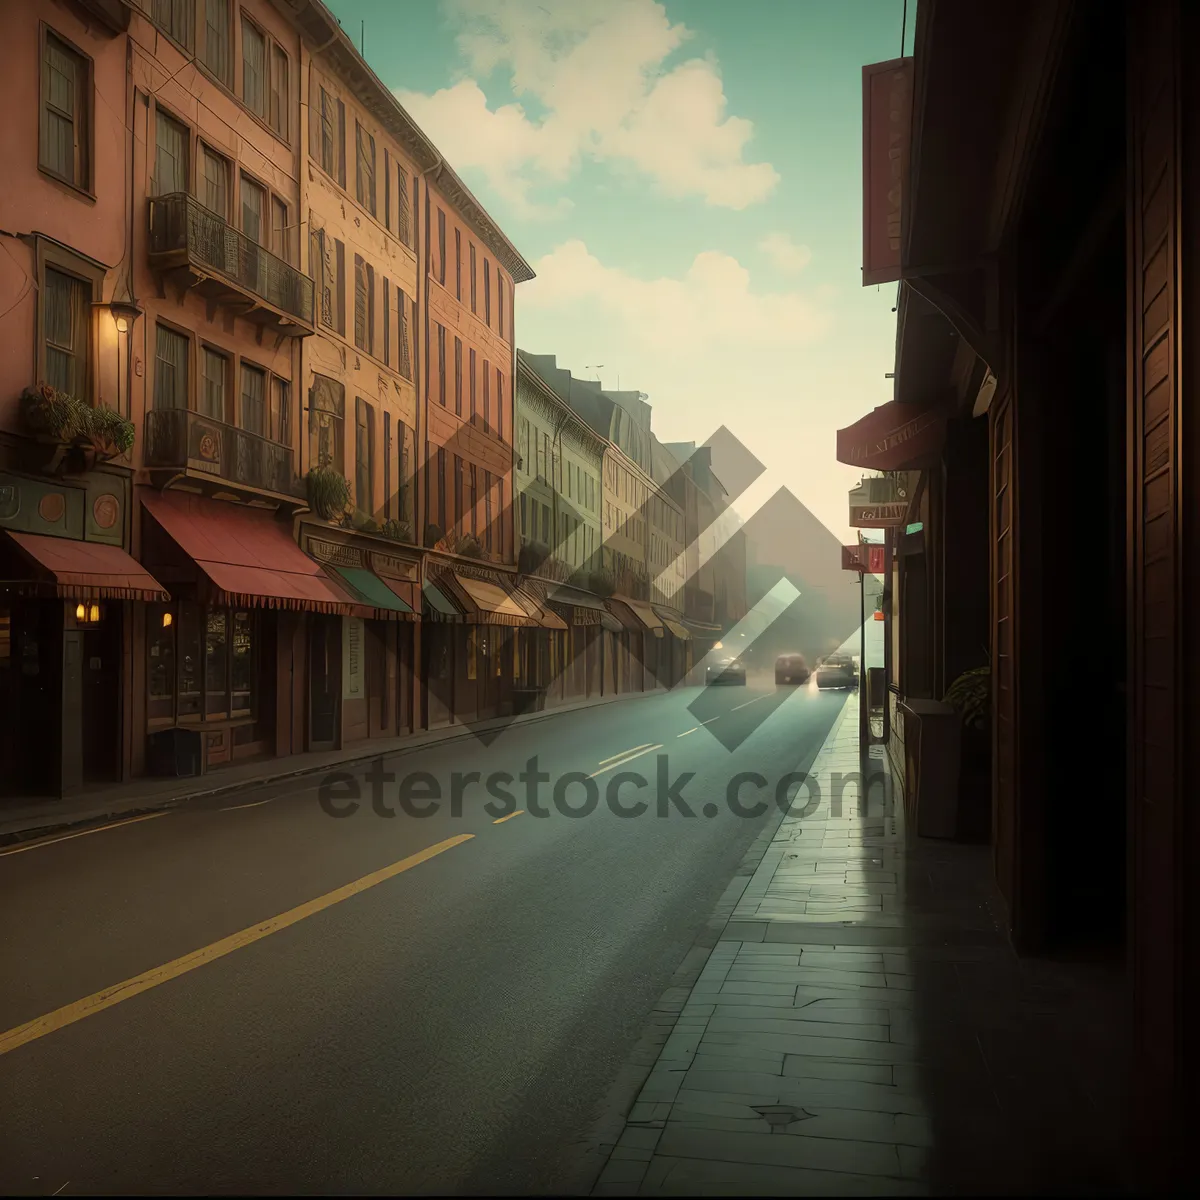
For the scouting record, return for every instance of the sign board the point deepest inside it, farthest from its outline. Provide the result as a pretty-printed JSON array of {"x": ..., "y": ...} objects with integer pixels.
[
  {"x": 878, "y": 516},
  {"x": 887, "y": 133},
  {"x": 868, "y": 558},
  {"x": 353, "y": 630},
  {"x": 893, "y": 437}
]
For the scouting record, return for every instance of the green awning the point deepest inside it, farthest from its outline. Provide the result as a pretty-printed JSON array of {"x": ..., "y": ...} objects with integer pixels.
[
  {"x": 372, "y": 589},
  {"x": 437, "y": 602}
]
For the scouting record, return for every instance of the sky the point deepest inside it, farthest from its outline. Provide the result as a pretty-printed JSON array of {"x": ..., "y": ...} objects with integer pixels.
[{"x": 685, "y": 178}]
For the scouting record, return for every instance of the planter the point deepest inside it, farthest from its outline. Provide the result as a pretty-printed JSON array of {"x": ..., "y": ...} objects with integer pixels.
[
  {"x": 328, "y": 493},
  {"x": 73, "y": 436}
]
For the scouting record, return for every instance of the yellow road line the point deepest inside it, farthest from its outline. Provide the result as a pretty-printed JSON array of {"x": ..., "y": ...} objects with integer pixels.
[
  {"x": 66, "y": 837},
  {"x": 710, "y": 720},
  {"x": 501, "y": 820},
  {"x": 687, "y": 731},
  {"x": 628, "y": 758},
  {"x": 107, "y": 997}
]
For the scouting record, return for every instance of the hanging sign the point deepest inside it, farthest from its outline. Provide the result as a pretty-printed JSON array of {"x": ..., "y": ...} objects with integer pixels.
[{"x": 878, "y": 516}]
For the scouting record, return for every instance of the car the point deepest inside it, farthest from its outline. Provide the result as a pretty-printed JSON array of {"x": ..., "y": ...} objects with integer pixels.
[
  {"x": 727, "y": 669},
  {"x": 791, "y": 668},
  {"x": 836, "y": 671}
]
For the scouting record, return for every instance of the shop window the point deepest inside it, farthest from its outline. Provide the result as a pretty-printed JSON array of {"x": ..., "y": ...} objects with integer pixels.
[
  {"x": 191, "y": 669},
  {"x": 242, "y": 664},
  {"x": 216, "y": 663},
  {"x": 160, "y": 662}
]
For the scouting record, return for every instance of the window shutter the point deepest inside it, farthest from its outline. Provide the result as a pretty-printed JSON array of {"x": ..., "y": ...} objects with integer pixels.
[
  {"x": 340, "y": 267},
  {"x": 314, "y": 117},
  {"x": 341, "y": 146}
]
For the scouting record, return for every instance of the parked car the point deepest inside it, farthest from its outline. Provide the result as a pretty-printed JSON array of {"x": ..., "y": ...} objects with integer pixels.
[
  {"x": 791, "y": 668},
  {"x": 837, "y": 671},
  {"x": 728, "y": 669}
]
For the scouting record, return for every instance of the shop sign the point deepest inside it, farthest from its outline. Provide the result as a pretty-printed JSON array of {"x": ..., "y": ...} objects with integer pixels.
[
  {"x": 887, "y": 132},
  {"x": 352, "y": 658},
  {"x": 868, "y": 558}
]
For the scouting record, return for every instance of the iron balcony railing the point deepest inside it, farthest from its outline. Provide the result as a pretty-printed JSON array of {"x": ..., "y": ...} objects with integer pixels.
[
  {"x": 182, "y": 439},
  {"x": 181, "y": 226}
]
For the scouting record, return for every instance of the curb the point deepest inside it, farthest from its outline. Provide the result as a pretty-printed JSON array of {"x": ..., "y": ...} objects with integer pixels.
[
  {"x": 428, "y": 738},
  {"x": 627, "y": 1089}
]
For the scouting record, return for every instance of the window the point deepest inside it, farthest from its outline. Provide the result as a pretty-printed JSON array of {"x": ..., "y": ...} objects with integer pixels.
[
  {"x": 387, "y": 322},
  {"x": 213, "y": 370},
  {"x": 365, "y": 168},
  {"x": 441, "y": 344},
  {"x": 215, "y": 193},
  {"x": 387, "y": 464},
  {"x": 216, "y": 54},
  {"x": 254, "y": 69},
  {"x": 441, "y": 488},
  {"x": 170, "y": 369},
  {"x": 177, "y": 19},
  {"x": 242, "y": 668},
  {"x": 387, "y": 190},
  {"x": 339, "y": 279},
  {"x": 474, "y": 498},
  {"x": 487, "y": 293},
  {"x": 65, "y": 330},
  {"x": 216, "y": 663},
  {"x": 362, "y": 289},
  {"x": 65, "y": 127},
  {"x": 487, "y": 510},
  {"x": 277, "y": 118},
  {"x": 458, "y": 376},
  {"x": 472, "y": 276},
  {"x": 499, "y": 405},
  {"x": 254, "y": 203},
  {"x": 281, "y": 235},
  {"x": 487, "y": 396},
  {"x": 326, "y": 413},
  {"x": 321, "y": 272},
  {"x": 458, "y": 492},
  {"x": 328, "y": 134},
  {"x": 364, "y": 457},
  {"x": 404, "y": 227},
  {"x": 254, "y": 408},
  {"x": 458, "y": 264},
  {"x": 472, "y": 385},
  {"x": 405, "y": 361},
  {"x": 522, "y": 502},
  {"x": 401, "y": 471},
  {"x": 441, "y": 247},
  {"x": 170, "y": 155},
  {"x": 280, "y": 425}
]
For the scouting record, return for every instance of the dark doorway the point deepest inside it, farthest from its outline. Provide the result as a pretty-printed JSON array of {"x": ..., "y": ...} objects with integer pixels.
[
  {"x": 324, "y": 680},
  {"x": 100, "y": 707}
]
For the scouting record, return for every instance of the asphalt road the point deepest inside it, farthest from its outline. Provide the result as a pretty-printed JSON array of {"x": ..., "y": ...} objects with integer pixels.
[{"x": 455, "y": 1026}]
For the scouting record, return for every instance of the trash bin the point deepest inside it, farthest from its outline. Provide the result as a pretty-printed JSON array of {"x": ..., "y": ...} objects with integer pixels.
[{"x": 932, "y": 733}]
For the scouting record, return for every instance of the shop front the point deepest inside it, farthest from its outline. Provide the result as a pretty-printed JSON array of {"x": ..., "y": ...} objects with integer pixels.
[
  {"x": 581, "y": 612},
  {"x": 624, "y": 645},
  {"x": 68, "y": 592},
  {"x": 677, "y": 643},
  {"x": 225, "y": 658},
  {"x": 653, "y": 643}
]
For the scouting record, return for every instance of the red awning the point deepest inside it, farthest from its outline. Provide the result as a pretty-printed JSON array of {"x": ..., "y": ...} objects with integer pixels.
[
  {"x": 248, "y": 557},
  {"x": 86, "y": 570},
  {"x": 893, "y": 437}
]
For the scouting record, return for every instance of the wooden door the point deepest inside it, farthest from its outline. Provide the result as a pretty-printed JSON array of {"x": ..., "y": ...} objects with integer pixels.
[{"x": 1155, "y": 821}]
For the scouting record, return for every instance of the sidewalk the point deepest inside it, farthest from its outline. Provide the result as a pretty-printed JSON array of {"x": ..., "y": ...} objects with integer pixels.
[
  {"x": 861, "y": 1027},
  {"x": 23, "y": 819}
]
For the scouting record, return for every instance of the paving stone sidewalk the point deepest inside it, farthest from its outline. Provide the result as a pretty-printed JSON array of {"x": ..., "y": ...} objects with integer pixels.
[{"x": 861, "y": 1027}]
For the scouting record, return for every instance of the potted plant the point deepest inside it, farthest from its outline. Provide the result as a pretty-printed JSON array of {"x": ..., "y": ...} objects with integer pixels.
[
  {"x": 397, "y": 531},
  {"x": 81, "y": 434},
  {"x": 328, "y": 492},
  {"x": 469, "y": 547},
  {"x": 433, "y": 535},
  {"x": 970, "y": 695},
  {"x": 531, "y": 557}
]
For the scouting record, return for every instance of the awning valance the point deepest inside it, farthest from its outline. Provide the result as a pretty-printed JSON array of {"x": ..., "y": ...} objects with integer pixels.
[
  {"x": 245, "y": 555},
  {"x": 374, "y": 592},
  {"x": 893, "y": 437},
  {"x": 72, "y": 570}
]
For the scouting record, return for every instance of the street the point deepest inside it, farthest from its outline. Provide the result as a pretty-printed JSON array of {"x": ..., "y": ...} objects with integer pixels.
[{"x": 454, "y": 1026}]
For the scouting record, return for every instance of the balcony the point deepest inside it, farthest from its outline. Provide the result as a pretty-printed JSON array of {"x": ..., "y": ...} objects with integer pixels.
[
  {"x": 182, "y": 443},
  {"x": 195, "y": 249}
]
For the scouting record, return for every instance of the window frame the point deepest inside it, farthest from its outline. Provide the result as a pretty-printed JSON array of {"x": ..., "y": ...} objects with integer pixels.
[
  {"x": 85, "y": 140},
  {"x": 337, "y": 420},
  {"x": 201, "y": 59},
  {"x": 258, "y": 370},
  {"x": 276, "y": 54},
  {"x": 362, "y": 167},
  {"x": 206, "y": 347},
  {"x": 264, "y": 81},
  {"x": 54, "y": 255},
  {"x": 364, "y": 431},
  {"x": 189, "y": 24},
  {"x": 458, "y": 364},
  {"x": 441, "y": 344},
  {"x": 203, "y": 152},
  {"x": 189, "y": 342},
  {"x": 441, "y": 233}
]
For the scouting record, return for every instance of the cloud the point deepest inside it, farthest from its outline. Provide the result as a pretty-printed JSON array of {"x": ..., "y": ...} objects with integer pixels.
[
  {"x": 711, "y": 306},
  {"x": 785, "y": 253},
  {"x": 590, "y": 81}
]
